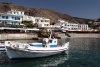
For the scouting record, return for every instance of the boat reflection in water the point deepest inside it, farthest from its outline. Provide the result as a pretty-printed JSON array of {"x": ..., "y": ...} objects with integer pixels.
[{"x": 60, "y": 59}]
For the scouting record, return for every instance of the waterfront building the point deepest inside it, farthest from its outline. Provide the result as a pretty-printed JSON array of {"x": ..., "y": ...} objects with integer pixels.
[
  {"x": 83, "y": 27},
  {"x": 29, "y": 18},
  {"x": 42, "y": 22},
  {"x": 11, "y": 17},
  {"x": 71, "y": 27},
  {"x": 97, "y": 23},
  {"x": 65, "y": 26},
  {"x": 60, "y": 24},
  {"x": 9, "y": 30}
]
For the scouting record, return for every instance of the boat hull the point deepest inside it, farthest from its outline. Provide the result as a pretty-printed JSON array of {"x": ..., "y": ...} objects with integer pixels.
[{"x": 13, "y": 53}]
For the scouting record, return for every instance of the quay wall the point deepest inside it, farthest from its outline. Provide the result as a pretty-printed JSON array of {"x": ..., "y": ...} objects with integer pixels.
[
  {"x": 32, "y": 36},
  {"x": 85, "y": 35},
  {"x": 18, "y": 36},
  {"x": 64, "y": 35}
]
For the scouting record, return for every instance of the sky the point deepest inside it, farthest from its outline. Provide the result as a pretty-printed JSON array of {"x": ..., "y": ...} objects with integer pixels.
[{"x": 89, "y": 9}]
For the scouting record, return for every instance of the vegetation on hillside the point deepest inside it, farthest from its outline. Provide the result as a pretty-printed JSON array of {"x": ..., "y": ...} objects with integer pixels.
[
  {"x": 28, "y": 24},
  {"x": 44, "y": 32}
]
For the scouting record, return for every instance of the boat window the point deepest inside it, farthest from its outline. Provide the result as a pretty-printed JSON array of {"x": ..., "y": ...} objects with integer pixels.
[
  {"x": 50, "y": 41},
  {"x": 31, "y": 44},
  {"x": 54, "y": 41}
]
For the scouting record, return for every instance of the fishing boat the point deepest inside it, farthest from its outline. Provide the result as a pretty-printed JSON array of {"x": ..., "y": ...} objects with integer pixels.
[{"x": 48, "y": 47}]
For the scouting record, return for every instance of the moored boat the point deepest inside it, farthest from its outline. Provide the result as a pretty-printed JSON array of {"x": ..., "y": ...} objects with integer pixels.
[
  {"x": 48, "y": 47},
  {"x": 28, "y": 51}
]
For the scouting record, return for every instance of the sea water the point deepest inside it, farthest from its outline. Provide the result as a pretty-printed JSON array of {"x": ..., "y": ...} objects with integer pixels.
[{"x": 83, "y": 52}]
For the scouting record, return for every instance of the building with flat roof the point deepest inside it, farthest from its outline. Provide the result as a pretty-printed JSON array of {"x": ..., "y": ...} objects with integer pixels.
[
  {"x": 11, "y": 17},
  {"x": 71, "y": 26}
]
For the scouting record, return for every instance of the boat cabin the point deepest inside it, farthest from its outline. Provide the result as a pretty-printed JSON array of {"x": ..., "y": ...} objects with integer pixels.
[{"x": 50, "y": 42}]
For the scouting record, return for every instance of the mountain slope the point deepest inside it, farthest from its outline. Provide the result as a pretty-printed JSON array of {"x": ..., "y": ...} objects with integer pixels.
[{"x": 41, "y": 12}]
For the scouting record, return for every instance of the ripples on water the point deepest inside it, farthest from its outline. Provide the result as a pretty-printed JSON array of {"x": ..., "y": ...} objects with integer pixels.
[{"x": 83, "y": 52}]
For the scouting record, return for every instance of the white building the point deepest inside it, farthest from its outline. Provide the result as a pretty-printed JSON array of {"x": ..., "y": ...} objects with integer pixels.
[
  {"x": 71, "y": 26},
  {"x": 29, "y": 18},
  {"x": 97, "y": 23},
  {"x": 11, "y": 17},
  {"x": 83, "y": 27},
  {"x": 42, "y": 22},
  {"x": 60, "y": 24}
]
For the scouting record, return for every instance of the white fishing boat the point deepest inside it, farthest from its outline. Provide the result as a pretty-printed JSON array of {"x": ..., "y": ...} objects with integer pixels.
[{"x": 21, "y": 50}]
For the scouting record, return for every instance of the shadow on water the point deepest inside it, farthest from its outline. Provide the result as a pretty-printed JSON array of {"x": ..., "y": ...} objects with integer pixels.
[{"x": 3, "y": 57}]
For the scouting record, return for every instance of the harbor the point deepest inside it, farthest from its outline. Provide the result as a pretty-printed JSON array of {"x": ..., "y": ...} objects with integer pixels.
[
  {"x": 42, "y": 37},
  {"x": 80, "y": 49}
]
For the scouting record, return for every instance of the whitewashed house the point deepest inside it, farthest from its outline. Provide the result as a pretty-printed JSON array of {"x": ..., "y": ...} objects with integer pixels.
[
  {"x": 96, "y": 23},
  {"x": 60, "y": 24},
  {"x": 29, "y": 18},
  {"x": 83, "y": 27},
  {"x": 11, "y": 17},
  {"x": 65, "y": 26},
  {"x": 71, "y": 27},
  {"x": 42, "y": 22}
]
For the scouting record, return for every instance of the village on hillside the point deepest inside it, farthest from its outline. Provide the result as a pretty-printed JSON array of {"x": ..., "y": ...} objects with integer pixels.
[{"x": 17, "y": 22}]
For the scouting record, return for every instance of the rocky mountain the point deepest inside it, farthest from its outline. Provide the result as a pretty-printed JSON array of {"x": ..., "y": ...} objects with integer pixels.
[{"x": 41, "y": 12}]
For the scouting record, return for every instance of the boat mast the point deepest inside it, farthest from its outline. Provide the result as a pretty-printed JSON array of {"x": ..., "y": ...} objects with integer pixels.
[{"x": 50, "y": 34}]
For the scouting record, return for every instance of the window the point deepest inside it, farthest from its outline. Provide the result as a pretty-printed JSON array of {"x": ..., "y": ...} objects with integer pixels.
[
  {"x": 6, "y": 17},
  {"x": 21, "y": 12},
  {"x": 41, "y": 20},
  {"x": 4, "y": 22},
  {"x": 14, "y": 12},
  {"x": 50, "y": 41},
  {"x": 13, "y": 23},
  {"x": 13, "y": 18},
  {"x": 54, "y": 41},
  {"x": 17, "y": 18},
  {"x": 3, "y": 17},
  {"x": 65, "y": 24},
  {"x": 37, "y": 20}
]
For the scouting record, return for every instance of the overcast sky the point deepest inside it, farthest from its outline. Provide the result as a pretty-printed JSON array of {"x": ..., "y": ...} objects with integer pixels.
[{"x": 89, "y": 9}]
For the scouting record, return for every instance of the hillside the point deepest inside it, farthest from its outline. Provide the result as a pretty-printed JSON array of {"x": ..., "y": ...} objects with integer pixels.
[{"x": 41, "y": 12}]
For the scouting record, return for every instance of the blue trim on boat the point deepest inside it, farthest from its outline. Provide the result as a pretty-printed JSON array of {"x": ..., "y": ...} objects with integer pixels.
[{"x": 42, "y": 46}]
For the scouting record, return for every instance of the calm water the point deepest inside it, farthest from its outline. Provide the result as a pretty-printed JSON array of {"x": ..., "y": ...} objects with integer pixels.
[{"x": 83, "y": 52}]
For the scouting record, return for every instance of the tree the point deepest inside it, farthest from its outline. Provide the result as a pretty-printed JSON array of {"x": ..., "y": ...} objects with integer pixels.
[
  {"x": 28, "y": 24},
  {"x": 35, "y": 25}
]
